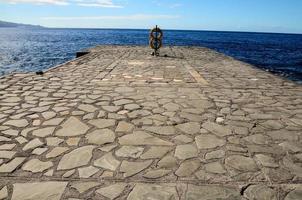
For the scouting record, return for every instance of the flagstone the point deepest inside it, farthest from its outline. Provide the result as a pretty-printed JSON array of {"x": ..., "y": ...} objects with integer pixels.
[
  {"x": 76, "y": 158},
  {"x": 132, "y": 168},
  {"x": 112, "y": 191},
  {"x": 82, "y": 187},
  {"x": 108, "y": 161},
  {"x": 33, "y": 144},
  {"x": 72, "y": 127},
  {"x": 142, "y": 138},
  {"x": 57, "y": 151},
  {"x": 36, "y": 165},
  {"x": 19, "y": 123},
  {"x": 11, "y": 165},
  {"x": 87, "y": 172},
  {"x": 44, "y": 132},
  {"x": 102, "y": 123},
  {"x": 101, "y": 136},
  {"x": 39, "y": 190},
  {"x": 208, "y": 141}
]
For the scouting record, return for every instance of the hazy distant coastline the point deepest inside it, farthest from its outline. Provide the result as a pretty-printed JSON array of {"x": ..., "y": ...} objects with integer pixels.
[{"x": 4, "y": 24}]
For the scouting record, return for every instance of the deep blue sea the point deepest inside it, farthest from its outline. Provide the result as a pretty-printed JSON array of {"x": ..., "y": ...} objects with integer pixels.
[{"x": 38, "y": 49}]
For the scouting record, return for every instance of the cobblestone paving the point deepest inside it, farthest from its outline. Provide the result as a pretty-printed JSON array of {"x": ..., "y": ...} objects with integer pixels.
[{"x": 120, "y": 124}]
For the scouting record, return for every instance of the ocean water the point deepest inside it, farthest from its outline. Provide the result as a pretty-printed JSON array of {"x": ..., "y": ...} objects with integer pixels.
[{"x": 27, "y": 50}]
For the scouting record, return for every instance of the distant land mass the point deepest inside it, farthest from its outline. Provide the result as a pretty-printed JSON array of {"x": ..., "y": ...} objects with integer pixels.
[{"x": 15, "y": 25}]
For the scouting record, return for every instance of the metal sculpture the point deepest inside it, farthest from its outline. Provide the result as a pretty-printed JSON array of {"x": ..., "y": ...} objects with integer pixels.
[{"x": 155, "y": 40}]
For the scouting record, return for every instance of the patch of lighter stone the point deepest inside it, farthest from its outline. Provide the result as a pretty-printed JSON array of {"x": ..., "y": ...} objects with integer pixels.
[
  {"x": 76, "y": 158},
  {"x": 112, "y": 191},
  {"x": 108, "y": 161},
  {"x": 72, "y": 127},
  {"x": 39, "y": 190},
  {"x": 132, "y": 168}
]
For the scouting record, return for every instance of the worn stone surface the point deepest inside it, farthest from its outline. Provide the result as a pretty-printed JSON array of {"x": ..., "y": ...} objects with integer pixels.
[
  {"x": 39, "y": 190},
  {"x": 72, "y": 127},
  {"x": 101, "y": 136},
  {"x": 148, "y": 191},
  {"x": 112, "y": 191},
  {"x": 76, "y": 158},
  {"x": 196, "y": 124},
  {"x": 108, "y": 161}
]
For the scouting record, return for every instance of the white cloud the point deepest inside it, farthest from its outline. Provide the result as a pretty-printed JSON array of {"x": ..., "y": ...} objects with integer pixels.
[
  {"x": 86, "y": 3},
  {"x": 38, "y": 2},
  {"x": 122, "y": 17}
]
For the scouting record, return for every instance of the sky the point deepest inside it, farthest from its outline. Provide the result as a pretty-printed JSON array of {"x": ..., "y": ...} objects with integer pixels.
[{"x": 283, "y": 16}]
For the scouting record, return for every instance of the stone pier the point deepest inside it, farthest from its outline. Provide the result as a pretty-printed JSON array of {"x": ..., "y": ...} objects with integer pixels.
[{"x": 118, "y": 123}]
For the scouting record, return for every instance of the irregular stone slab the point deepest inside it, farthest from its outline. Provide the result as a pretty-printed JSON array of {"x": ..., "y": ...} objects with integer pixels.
[
  {"x": 36, "y": 165},
  {"x": 108, "y": 161},
  {"x": 122, "y": 102},
  {"x": 100, "y": 137},
  {"x": 124, "y": 89},
  {"x": 142, "y": 138},
  {"x": 215, "y": 154},
  {"x": 56, "y": 152},
  {"x": 172, "y": 107},
  {"x": 11, "y": 165},
  {"x": 167, "y": 162},
  {"x": 112, "y": 191},
  {"x": 124, "y": 127},
  {"x": 161, "y": 130},
  {"x": 155, "y": 152},
  {"x": 257, "y": 139},
  {"x": 11, "y": 99},
  {"x": 76, "y": 158},
  {"x": 33, "y": 144},
  {"x": 69, "y": 173},
  {"x": 87, "y": 108},
  {"x": 39, "y": 151},
  {"x": 266, "y": 161},
  {"x": 132, "y": 168},
  {"x": 72, "y": 127},
  {"x": 291, "y": 146},
  {"x": 208, "y": 141},
  {"x": 295, "y": 194},
  {"x": 111, "y": 108},
  {"x": 129, "y": 152},
  {"x": 82, "y": 187},
  {"x": 190, "y": 128},
  {"x": 260, "y": 192},
  {"x": 53, "y": 141},
  {"x": 53, "y": 122},
  {"x": 186, "y": 151},
  {"x": 43, "y": 132},
  {"x": 7, "y": 146},
  {"x": 39, "y": 190},
  {"x": 108, "y": 148},
  {"x": 187, "y": 168},
  {"x": 48, "y": 115},
  {"x": 102, "y": 123},
  {"x": 241, "y": 163},
  {"x": 215, "y": 167},
  {"x": 212, "y": 193},
  {"x": 182, "y": 139},
  {"x": 86, "y": 172},
  {"x": 7, "y": 154},
  {"x": 152, "y": 191},
  {"x": 294, "y": 168},
  {"x": 3, "y": 193},
  {"x": 20, "y": 123},
  {"x": 156, "y": 173},
  {"x": 217, "y": 129}
]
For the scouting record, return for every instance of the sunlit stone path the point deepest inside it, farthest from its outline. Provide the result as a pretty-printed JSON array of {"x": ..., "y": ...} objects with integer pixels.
[{"x": 118, "y": 123}]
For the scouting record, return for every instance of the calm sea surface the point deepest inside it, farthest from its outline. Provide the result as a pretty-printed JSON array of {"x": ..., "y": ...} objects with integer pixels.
[{"x": 39, "y": 49}]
